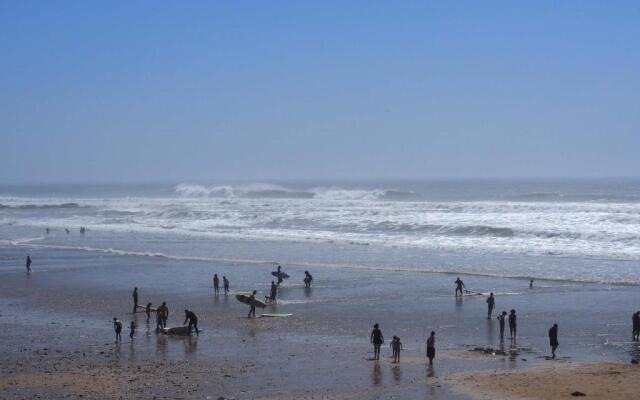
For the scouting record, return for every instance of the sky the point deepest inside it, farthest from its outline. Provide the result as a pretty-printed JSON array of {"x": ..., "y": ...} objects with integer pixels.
[{"x": 137, "y": 91}]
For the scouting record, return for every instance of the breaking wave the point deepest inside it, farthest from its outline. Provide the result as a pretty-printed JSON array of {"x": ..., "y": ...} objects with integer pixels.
[{"x": 39, "y": 206}]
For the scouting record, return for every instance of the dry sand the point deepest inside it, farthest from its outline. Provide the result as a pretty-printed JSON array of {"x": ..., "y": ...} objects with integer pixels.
[{"x": 553, "y": 381}]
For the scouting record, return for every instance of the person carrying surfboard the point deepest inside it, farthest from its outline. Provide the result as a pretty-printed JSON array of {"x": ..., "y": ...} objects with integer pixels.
[
  {"x": 280, "y": 279},
  {"x": 252, "y": 310}
]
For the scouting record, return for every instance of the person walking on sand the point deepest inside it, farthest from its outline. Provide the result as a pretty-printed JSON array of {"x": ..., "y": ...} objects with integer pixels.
[
  {"x": 117, "y": 327},
  {"x": 396, "y": 347},
  {"x": 148, "y": 311},
  {"x": 308, "y": 279},
  {"x": 216, "y": 284},
  {"x": 163, "y": 314},
  {"x": 431, "y": 347},
  {"x": 252, "y": 310},
  {"x": 377, "y": 339},
  {"x": 636, "y": 326},
  {"x": 491, "y": 303},
  {"x": 135, "y": 299},
  {"x": 28, "y": 264},
  {"x": 132, "y": 330},
  {"x": 225, "y": 284},
  {"x": 502, "y": 317},
  {"x": 193, "y": 321},
  {"x": 513, "y": 324},
  {"x": 459, "y": 286},
  {"x": 273, "y": 293},
  {"x": 553, "y": 340}
]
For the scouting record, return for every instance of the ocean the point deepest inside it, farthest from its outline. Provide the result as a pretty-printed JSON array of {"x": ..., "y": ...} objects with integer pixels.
[{"x": 573, "y": 230}]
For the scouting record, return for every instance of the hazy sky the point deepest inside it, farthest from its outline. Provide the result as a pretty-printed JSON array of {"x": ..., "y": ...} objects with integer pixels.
[{"x": 172, "y": 91}]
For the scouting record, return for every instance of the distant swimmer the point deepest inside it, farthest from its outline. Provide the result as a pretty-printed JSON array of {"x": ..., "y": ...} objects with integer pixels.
[
  {"x": 47, "y": 230},
  {"x": 132, "y": 330},
  {"x": 117, "y": 327},
  {"x": 491, "y": 303},
  {"x": 431, "y": 347},
  {"x": 502, "y": 317},
  {"x": 252, "y": 310},
  {"x": 193, "y": 321},
  {"x": 216, "y": 284},
  {"x": 225, "y": 283},
  {"x": 163, "y": 314},
  {"x": 459, "y": 286},
  {"x": 396, "y": 347},
  {"x": 513, "y": 324},
  {"x": 28, "y": 264},
  {"x": 636, "y": 326},
  {"x": 308, "y": 279},
  {"x": 148, "y": 311},
  {"x": 273, "y": 293},
  {"x": 531, "y": 284},
  {"x": 553, "y": 340},
  {"x": 66, "y": 230},
  {"x": 377, "y": 339},
  {"x": 135, "y": 299}
]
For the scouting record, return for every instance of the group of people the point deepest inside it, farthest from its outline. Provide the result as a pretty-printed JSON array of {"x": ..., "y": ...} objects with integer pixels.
[
  {"x": 377, "y": 339},
  {"x": 216, "y": 284}
]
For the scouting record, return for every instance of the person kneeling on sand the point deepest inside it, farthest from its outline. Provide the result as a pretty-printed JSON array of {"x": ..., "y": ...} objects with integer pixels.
[
  {"x": 431, "y": 347},
  {"x": 193, "y": 321}
]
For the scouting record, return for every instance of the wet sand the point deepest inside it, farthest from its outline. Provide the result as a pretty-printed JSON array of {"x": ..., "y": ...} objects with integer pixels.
[{"x": 58, "y": 338}]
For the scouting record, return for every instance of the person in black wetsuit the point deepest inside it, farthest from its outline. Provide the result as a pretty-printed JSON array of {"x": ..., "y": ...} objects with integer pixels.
[
  {"x": 491, "y": 303},
  {"x": 216, "y": 284},
  {"x": 459, "y": 286},
  {"x": 553, "y": 340},
  {"x": 502, "y": 317},
  {"x": 193, "y": 321},
  {"x": 273, "y": 292},
  {"x": 280, "y": 279},
  {"x": 132, "y": 330},
  {"x": 378, "y": 340},
  {"x": 135, "y": 299},
  {"x": 28, "y": 264},
  {"x": 225, "y": 284},
  {"x": 513, "y": 324},
  {"x": 148, "y": 311},
  {"x": 308, "y": 279},
  {"x": 636, "y": 326},
  {"x": 117, "y": 327},
  {"x": 252, "y": 310}
]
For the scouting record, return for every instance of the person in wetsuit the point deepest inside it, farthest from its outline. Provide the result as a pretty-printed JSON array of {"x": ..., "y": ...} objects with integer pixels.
[
  {"x": 252, "y": 310},
  {"x": 459, "y": 286},
  {"x": 502, "y": 317},
  {"x": 28, "y": 264},
  {"x": 225, "y": 284},
  {"x": 280, "y": 279},
  {"x": 117, "y": 327},
  {"x": 491, "y": 303},
  {"x": 193, "y": 321},
  {"x": 216, "y": 284},
  {"x": 273, "y": 292},
  {"x": 132, "y": 330},
  {"x": 135, "y": 299},
  {"x": 513, "y": 324},
  {"x": 377, "y": 339},
  {"x": 148, "y": 311},
  {"x": 553, "y": 340},
  {"x": 636, "y": 326},
  {"x": 431, "y": 347},
  {"x": 308, "y": 279}
]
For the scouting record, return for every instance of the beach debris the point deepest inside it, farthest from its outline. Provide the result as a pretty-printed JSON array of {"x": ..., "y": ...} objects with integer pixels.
[{"x": 578, "y": 394}]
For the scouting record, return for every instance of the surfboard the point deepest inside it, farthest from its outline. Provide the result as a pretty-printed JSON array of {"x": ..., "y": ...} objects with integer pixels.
[
  {"x": 144, "y": 309},
  {"x": 177, "y": 330},
  {"x": 284, "y": 275},
  {"x": 243, "y": 298},
  {"x": 275, "y": 315}
]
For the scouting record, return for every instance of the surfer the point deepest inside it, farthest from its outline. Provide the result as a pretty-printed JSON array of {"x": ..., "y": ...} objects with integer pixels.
[
  {"x": 163, "y": 314},
  {"x": 491, "y": 303},
  {"x": 28, "y": 264},
  {"x": 431, "y": 347},
  {"x": 396, "y": 347},
  {"x": 377, "y": 339},
  {"x": 308, "y": 279},
  {"x": 502, "y": 318},
  {"x": 553, "y": 340},
  {"x": 252, "y": 310},
  {"x": 225, "y": 283},
  {"x": 117, "y": 326},
  {"x": 531, "y": 284},
  {"x": 279, "y": 273},
  {"x": 216, "y": 284},
  {"x": 636, "y": 326},
  {"x": 193, "y": 321},
  {"x": 273, "y": 293},
  {"x": 135, "y": 299},
  {"x": 513, "y": 324},
  {"x": 132, "y": 330},
  {"x": 148, "y": 311},
  {"x": 459, "y": 286}
]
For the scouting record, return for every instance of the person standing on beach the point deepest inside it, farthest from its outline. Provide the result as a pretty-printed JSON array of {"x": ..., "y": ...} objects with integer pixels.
[
  {"x": 531, "y": 284},
  {"x": 193, "y": 321},
  {"x": 491, "y": 303},
  {"x": 132, "y": 330},
  {"x": 459, "y": 286},
  {"x": 513, "y": 324},
  {"x": 553, "y": 340},
  {"x": 28, "y": 264},
  {"x": 117, "y": 327},
  {"x": 431, "y": 347},
  {"x": 135, "y": 299},
  {"x": 163, "y": 314},
  {"x": 216, "y": 284},
  {"x": 636, "y": 326},
  {"x": 307, "y": 279},
  {"x": 377, "y": 339},
  {"x": 252, "y": 310},
  {"x": 225, "y": 283},
  {"x": 148, "y": 311},
  {"x": 273, "y": 293},
  {"x": 502, "y": 318}
]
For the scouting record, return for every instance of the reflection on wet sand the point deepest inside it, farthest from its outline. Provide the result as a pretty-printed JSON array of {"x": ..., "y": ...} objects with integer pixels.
[
  {"x": 397, "y": 373},
  {"x": 376, "y": 375}
]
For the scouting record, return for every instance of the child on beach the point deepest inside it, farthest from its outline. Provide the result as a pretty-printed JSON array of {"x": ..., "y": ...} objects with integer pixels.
[
  {"x": 431, "y": 348},
  {"x": 132, "y": 330},
  {"x": 396, "y": 347},
  {"x": 117, "y": 326},
  {"x": 502, "y": 318}
]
